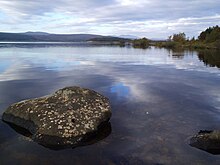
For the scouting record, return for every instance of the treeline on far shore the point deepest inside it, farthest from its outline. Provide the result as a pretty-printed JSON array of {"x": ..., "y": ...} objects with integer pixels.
[{"x": 208, "y": 39}]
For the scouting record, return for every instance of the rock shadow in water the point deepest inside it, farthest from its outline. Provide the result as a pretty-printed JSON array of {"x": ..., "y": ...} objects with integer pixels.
[{"x": 104, "y": 130}]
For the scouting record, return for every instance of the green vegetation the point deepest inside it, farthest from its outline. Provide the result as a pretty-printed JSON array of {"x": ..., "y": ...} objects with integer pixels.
[
  {"x": 178, "y": 38},
  {"x": 110, "y": 40},
  {"x": 208, "y": 39},
  {"x": 212, "y": 34},
  {"x": 141, "y": 43}
]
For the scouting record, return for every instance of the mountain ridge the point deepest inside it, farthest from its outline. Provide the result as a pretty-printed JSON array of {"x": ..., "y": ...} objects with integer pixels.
[{"x": 49, "y": 37}]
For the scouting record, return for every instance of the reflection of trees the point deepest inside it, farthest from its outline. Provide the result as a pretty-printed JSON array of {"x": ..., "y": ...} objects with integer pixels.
[
  {"x": 179, "y": 53},
  {"x": 210, "y": 57}
]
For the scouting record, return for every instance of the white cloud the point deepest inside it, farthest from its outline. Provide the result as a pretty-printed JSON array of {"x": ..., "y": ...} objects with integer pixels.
[
  {"x": 154, "y": 19},
  {"x": 132, "y": 2}
]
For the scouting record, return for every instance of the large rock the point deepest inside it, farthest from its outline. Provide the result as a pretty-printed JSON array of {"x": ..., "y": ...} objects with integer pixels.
[
  {"x": 66, "y": 118},
  {"x": 208, "y": 141}
]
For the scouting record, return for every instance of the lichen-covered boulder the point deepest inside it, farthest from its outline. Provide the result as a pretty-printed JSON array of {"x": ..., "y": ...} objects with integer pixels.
[
  {"x": 208, "y": 141},
  {"x": 65, "y": 118}
]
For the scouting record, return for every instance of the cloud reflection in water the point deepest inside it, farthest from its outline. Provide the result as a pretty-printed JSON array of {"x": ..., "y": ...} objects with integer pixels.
[{"x": 179, "y": 99}]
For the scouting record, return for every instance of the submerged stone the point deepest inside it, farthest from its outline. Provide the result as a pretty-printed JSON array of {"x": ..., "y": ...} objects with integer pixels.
[
  {"x": 207, "y": 140},
  {"x": 65, "y": 118}
]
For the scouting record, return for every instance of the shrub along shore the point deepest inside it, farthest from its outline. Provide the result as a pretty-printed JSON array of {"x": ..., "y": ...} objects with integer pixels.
[{"x": 208, "y": 39}]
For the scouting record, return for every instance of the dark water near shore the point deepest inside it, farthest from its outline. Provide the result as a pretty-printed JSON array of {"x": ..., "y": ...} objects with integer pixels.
[{"x": 159, "y": 99}]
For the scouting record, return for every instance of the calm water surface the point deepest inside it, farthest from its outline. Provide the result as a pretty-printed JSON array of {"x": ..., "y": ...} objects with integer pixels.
[{"x": 159, "y": 99}]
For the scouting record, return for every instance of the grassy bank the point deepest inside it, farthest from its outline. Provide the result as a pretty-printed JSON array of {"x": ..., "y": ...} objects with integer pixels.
[{"x": 186, "y": 44}]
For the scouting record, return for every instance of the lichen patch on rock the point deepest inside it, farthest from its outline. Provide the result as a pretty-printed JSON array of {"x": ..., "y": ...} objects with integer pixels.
[
  {"x": 62, "y": 118},
  {"x": 207, "y": 140}
]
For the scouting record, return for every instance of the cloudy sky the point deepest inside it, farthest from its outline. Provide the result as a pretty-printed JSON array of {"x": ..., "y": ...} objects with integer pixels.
[{"x": 149, "y": 18}]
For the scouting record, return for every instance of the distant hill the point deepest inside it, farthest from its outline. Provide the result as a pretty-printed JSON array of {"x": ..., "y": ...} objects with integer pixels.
[
  {"x": 65, "y": 37},
  {"x": 109, "y": 39},
  {"x": 15, "y": 37},
  {"x": 47, "y": 37},
  {"x": 35, "y": 33},
  {"x": 128, "y": 36}
]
